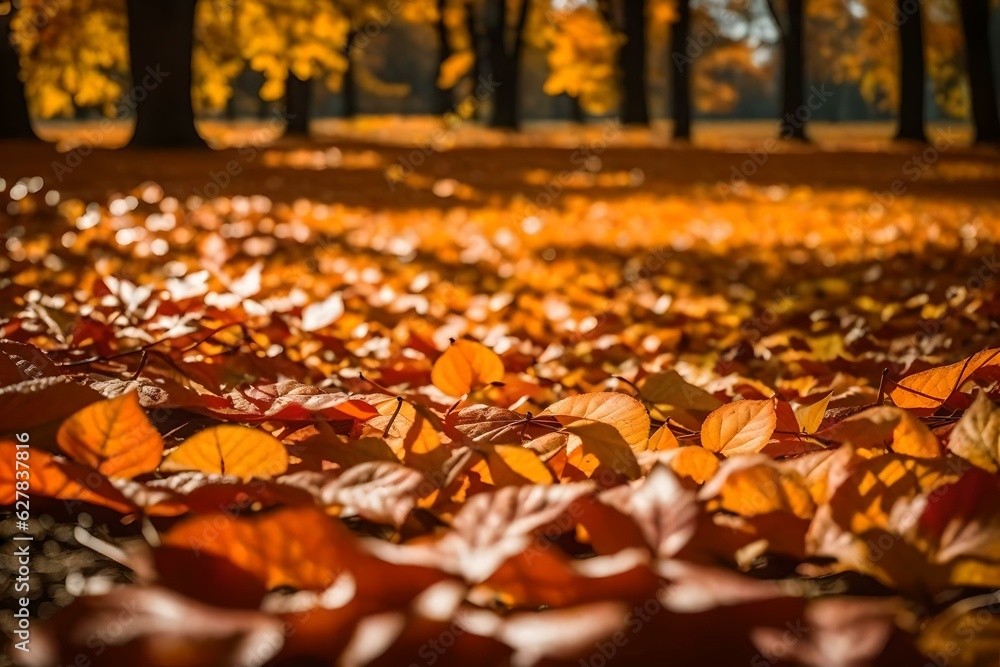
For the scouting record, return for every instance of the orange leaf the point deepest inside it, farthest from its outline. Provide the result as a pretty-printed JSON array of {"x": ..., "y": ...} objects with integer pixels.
[
  {"x": 230, "y": 449},
  {"x": 662, "y": 440},
  {"x": 513, "y": 464},
  {"x": 696, "y": 463},
  {"x": 300, "y": 547},
  {"x": 929, "y": 389},
  {"x": 55, "y": 477},
  {"x": 624, "y": 413},
  {"x": 741, "y": 427},
  {"x": 465, "y": 366},
  {"x": 114, "y": 437}
]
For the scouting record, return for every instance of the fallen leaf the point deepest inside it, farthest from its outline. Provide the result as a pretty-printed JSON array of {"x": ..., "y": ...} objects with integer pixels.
[{"x": 114, "y": 437}]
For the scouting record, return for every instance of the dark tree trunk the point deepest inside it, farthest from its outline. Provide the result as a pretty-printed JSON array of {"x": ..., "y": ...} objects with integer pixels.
[
  {"x": 14, "y": 117},
  {"x": 635, "y": 109},
  {"x": 298, "y": 105},
  {"x": 912, "y": 78},
  {"x": 793, "y": 125},
  {"x": 443, "y": 97},
  {"x": 161, "y": 35},
  {"x": 979, "y": 58},
  {"x": 682, "y": 63},
  {"x": 506, "y": 65},
  {"x": 576, "y": 110},
  {"x": 347, "y": 88}
]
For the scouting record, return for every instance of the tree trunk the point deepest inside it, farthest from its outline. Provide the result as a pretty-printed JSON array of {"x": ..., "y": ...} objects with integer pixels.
[
  {"x": 793, "y": 126},
  {"x": 348, "y": 90},
  {"x": 14, "y": 117},
  {"x": 979, "y": 59},
  {"x": 635, "y": 109},
  {"x": 298, "y": 105},
  {"x": 506, "y": 63},
  {"x": 443, "y": 98},
  {"x": 161, "y": 35},
  {"x": 682, "y": 64},
  {"x": 576, "y": 110},
  {"x": 912, "y": 79}
]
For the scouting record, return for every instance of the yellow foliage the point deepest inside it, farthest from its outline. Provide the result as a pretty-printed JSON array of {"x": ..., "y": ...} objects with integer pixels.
[
  {"x": 72, "y": 54},
  {"x": 582, "y": 56}
]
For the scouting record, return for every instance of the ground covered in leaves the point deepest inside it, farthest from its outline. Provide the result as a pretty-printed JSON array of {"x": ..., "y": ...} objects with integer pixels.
[{"x": 390, "y": 405}]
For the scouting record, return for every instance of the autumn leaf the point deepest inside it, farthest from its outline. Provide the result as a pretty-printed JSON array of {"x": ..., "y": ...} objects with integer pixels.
[
  {"x": 271, "y": 546},
  {"x": 514, "y": 465},
  {"x": 664, "y": 510},
  {"x": 55, "y": 477},
  {"x": 810, "y": 415},
  {"x": 741, "y": 427},
  {"x": 662, "y": 439},
  {"x": 229, "y": 449},
  {"x": 114, "y": 437},
  {"x": 929, "y": 389},
  {"x": 695, "y": 463},
  {"x": 755, "y": 485},
  {"x": 622, "y": 412},
  {"x": 976, "y": 436},
  {"x": 464, "y": 366},
  {"x": 377, "y": 491}
]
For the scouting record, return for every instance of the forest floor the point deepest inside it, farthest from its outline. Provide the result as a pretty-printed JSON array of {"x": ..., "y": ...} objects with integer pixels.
[{"x": 767, "y": 274}]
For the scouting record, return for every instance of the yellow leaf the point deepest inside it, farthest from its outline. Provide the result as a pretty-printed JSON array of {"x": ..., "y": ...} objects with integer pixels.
[
  {"x": 811, "y": 416},
  {"x": 976, "y": 436},
  {"x": 229, "y": 449},
  {"x": 512, "y": 465},
  {"x": 662, "y": 440}
]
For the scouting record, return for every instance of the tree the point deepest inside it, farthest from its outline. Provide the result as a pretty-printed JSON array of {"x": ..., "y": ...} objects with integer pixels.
[
  {"x": 161, "y": 39},
  {"x": 72, "y": 56},
  {"x": 443, "y": 98},
  {"x": 292, "y": 43},
  {"x": 680, "y": 88},
  {"x": 793, "y": 68},
  {"x": 912, "y": 71},
  {"x": 505, "y": 60},
  {"x": 15, "y": 121},
  {"x": 582, "y": 52},
  {"x": 635, "y": 109},
  {"x": 979, "y": 61}
]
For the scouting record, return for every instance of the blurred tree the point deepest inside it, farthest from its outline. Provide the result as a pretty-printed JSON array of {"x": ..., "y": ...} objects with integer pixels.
[
  {"x": 505, "y": 23},
  {"x": 635, "y": 108},
  {"x": 979, "y": 61},
  {"x": 908, "y": 19},
  {"x": 14, "y": 118},
  {"x": 791, "y": 27},
  {"x": 683, "y": 55},
  {"x": 161, "y": 39},
  {"x": 582, "y": 53},
  {"x": 629, "y": 17},
  {"x": 73, "y": 55},
  {"x": 292, "y": 43}
]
